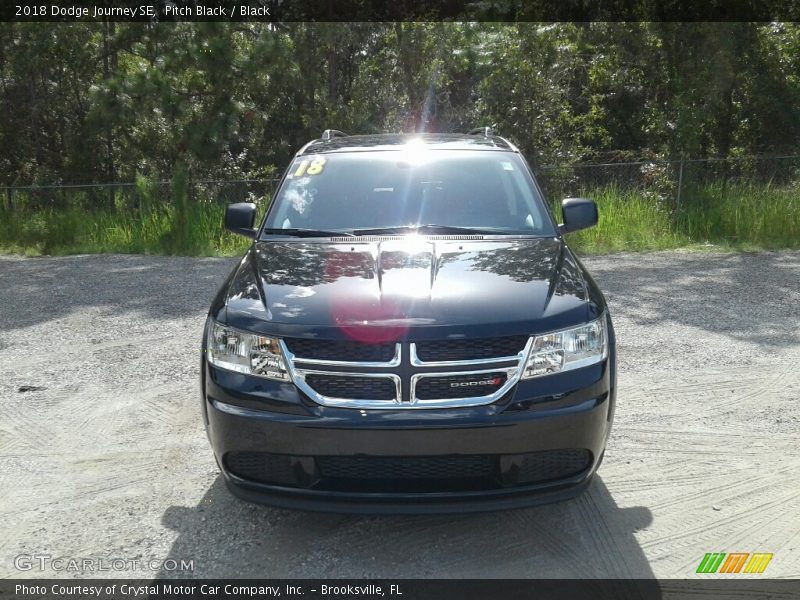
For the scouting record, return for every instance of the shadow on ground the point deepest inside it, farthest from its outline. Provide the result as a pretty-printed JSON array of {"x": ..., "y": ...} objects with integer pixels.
[
  {"x": 161, "y": 287},
  {"x": 711, "y": 291},
  {"x": 749, "y": 297},
  {"x": 588, "y": 537}
]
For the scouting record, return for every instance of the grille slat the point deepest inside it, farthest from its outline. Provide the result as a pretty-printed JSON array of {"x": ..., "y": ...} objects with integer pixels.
[
  {"x": 353, "y": 387},
  {"x": 553, "y": 464},
  {"x": 470, "y": 349},
  {"x": 260, "y": 466},
  {"x": 405, "y": 467},
  {"x": 342, "y": 351},
  {"x": 459, "y": 386},
  {"x": 409, "y": 473}
]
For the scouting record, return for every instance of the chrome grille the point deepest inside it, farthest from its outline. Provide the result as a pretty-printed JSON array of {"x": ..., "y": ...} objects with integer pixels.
[
  {"x": 340, "y": 350},
  {"x": 392, "y": 376}
]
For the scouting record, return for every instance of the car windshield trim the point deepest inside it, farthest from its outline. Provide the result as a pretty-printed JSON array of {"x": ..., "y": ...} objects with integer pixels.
[
  {"x": 301, "y": 232},
  {"x": 432, "y": 228}
]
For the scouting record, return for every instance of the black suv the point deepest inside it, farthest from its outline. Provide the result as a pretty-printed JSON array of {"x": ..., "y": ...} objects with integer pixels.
[{"x": 408, "y": 332}]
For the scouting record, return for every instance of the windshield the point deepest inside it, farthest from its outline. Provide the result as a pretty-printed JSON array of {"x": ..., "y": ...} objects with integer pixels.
[{"x": 485, "y": 191}]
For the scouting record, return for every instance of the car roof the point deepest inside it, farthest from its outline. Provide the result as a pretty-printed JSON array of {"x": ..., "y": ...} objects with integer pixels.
[{"x": 396, "y": 141}]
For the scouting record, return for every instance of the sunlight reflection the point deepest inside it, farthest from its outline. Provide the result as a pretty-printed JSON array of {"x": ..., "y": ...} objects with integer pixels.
[{"x": 415, "y": 153}]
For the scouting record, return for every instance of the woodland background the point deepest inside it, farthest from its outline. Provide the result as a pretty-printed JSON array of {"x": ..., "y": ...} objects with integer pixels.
[{"x": 135, "y": 104}]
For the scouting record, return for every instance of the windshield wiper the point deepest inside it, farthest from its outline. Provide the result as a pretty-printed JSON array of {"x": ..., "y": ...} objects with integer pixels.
[
  {"x": 426, "y": 228},
  {"x": 299, "y": 232}
]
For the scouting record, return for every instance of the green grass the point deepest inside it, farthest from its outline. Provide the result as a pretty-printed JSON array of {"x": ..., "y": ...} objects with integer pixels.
[
  {"x": 735, "y": 217},
  {"x": 743, "y": 217},
  {"x": 76, "y": 230},
  {"x": 726, "y": 216},
  {"x": 627, "y": 221}
]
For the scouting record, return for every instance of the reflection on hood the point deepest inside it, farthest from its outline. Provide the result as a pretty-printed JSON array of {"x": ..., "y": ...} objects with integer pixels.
[{"x": 393, "y": 282}]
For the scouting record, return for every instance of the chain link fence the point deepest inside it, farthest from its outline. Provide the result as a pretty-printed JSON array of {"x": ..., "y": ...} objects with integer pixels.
[
  {"x": 668, "y": 181},
  {"x": 134, "y": 195}
]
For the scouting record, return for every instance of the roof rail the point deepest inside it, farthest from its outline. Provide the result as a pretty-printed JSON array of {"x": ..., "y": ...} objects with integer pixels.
[
  {"x": 484, "y": 131},
  {"x": 329, "y": 134}
]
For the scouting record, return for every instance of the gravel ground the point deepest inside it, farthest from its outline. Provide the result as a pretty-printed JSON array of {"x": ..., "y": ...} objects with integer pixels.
[{"x": 105, "y": 457}]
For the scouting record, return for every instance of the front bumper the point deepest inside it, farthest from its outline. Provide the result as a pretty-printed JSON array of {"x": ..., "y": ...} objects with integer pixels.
[{"x": 564, "y": 413}]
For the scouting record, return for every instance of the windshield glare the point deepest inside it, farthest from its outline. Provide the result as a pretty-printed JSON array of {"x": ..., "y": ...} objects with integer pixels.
[{"x": 483, "y": 190}]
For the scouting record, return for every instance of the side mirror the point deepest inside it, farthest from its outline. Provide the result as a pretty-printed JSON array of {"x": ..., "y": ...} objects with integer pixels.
[
  {"x": 579, "y": 213},
  {"x": 239, "y": 218}
]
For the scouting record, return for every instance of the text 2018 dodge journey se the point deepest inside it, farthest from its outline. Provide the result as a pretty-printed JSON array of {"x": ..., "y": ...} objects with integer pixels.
[{"x": 408, "y": 332}]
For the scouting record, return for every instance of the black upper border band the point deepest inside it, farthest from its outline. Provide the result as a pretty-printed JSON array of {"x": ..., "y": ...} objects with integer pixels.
[{"x": 401, "y": 10}]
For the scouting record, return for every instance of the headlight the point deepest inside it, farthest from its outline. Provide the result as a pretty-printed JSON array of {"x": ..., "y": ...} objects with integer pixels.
[
  {"x": 568, "y": 349},
  {"x": 242, "y": 352}
]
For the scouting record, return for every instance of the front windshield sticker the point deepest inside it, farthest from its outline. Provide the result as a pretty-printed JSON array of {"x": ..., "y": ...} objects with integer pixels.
[
  {"x": 507, "y": 166},
  {"x": 309, "y": 167}
]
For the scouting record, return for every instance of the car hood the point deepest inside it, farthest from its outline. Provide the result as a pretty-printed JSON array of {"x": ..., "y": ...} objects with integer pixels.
[{"x": 396, "y": 284}]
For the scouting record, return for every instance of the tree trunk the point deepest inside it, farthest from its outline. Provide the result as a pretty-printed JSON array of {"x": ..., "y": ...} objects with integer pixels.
[{"x": 109, "y": 66}]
